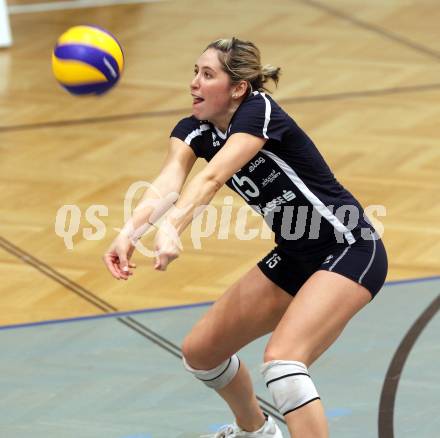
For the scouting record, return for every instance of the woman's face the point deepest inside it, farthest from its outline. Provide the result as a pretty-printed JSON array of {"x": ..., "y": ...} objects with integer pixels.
[{"x": 211, "y": 88}]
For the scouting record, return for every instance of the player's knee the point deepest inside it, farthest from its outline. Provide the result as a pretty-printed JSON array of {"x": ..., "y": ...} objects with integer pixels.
[
  {"x": 297, "y": 353},
  {"x": 191, "y": 352},
  {"x": 207, "y": 363},
  {"x": 290, "y": 384},
  {"x": 197, "y": 352},
  {"x": 217, "y": 377},
  {"x": 271, "y": 354}
]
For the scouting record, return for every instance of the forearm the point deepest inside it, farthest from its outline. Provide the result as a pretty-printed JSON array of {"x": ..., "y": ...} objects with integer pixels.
[
  {"x": 197, "y": 194},
  {"x": 155, "y": 202}
]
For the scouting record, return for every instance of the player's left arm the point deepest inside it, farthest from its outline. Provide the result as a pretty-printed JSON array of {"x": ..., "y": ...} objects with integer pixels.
[{"x": 239, "y": 149}]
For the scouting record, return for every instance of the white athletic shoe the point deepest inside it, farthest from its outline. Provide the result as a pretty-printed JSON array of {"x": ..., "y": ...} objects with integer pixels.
[{"x": 269, "y": 430}]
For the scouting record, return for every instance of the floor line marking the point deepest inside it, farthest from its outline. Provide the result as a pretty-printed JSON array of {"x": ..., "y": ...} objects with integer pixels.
[{"x": 167, "y": 308}]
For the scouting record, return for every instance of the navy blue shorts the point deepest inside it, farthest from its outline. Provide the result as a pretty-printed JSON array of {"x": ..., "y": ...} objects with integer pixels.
[{"x": 364, "y": 262}]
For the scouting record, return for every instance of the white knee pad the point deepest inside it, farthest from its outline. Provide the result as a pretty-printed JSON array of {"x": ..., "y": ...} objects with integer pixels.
[
  {"x": 289, "y": 383},
  {"x": 218, "y": 377}
]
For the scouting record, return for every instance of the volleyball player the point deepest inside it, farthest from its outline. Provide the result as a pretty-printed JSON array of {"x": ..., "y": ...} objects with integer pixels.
[{"x": 328, "y": 262}]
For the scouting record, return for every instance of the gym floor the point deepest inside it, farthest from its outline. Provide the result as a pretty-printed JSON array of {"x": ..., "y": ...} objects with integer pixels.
[
  {"x": 120, "y": 375},
  {"x": 84, "y": 355}
]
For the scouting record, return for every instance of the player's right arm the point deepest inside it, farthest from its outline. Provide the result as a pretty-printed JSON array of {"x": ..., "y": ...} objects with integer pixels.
[{"x": 157, "y": 199}]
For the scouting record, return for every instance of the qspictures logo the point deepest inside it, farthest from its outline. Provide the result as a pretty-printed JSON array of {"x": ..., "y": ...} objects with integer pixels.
[{"x": 221, "y": 220}]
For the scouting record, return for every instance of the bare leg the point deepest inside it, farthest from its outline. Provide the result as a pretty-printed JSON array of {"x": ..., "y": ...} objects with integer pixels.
[
  {"x": 234, "y": 321},
  {"x": 240, "y": 397},
  {"x": 313, "y": 321},
  {"x": 308, "y": 421}
]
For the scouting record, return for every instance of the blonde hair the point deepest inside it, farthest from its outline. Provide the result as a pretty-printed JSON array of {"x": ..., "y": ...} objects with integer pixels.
[{"x": 241, "y": 61}]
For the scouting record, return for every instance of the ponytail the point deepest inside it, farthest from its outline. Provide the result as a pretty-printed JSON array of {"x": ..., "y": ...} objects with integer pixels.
[{"x": 241, "y": 61}]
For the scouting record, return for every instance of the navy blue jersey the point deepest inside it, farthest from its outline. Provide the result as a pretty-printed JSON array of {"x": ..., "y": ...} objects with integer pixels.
[{"x": 287, "y": 181}]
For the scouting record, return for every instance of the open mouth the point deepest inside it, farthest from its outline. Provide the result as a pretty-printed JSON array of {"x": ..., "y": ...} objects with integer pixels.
[{"x": 197, "y": 100}]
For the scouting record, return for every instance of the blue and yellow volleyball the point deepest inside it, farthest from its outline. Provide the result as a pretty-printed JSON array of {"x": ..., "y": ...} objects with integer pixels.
[{"x": 87, "y": 60}]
